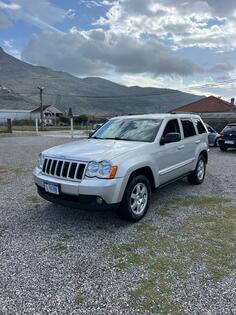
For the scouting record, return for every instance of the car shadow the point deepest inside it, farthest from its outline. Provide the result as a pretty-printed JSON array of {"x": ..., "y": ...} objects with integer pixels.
[{"x": 55, "y": 216}]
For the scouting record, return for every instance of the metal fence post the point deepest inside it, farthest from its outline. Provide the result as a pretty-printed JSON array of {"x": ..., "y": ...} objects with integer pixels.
[
  {"x": 37, "y": 126},
  {"x": 9, "y": 126},
  {"x": 72, "y": 128}
]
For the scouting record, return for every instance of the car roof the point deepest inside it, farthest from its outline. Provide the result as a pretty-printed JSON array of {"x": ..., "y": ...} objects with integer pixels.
[{"x": 157, "y": 116}]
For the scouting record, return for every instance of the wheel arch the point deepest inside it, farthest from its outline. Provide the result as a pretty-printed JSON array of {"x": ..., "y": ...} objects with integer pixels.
[
  {"x": 204, "y": 153},
  {"x": 147, "y": 172}
]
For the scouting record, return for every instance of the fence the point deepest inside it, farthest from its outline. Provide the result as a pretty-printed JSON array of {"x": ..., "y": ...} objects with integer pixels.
[{"x": 5, "y": 125}]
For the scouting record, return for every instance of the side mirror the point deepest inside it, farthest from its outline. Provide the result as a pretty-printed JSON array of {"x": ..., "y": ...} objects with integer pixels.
[{"x": 170, "y": 137}]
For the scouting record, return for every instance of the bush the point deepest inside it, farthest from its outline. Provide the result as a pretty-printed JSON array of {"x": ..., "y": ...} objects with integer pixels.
[
  {"x": 64, "y": 119},
  {"x": 82, "y": 119},
  {"x": 23, "y": 122}
]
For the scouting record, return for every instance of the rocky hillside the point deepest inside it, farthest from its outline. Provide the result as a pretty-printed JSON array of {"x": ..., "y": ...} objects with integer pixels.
[{"x": 96, "y": 96}]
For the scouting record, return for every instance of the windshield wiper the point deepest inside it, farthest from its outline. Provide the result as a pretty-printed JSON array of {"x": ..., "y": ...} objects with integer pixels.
[
  {"x": 95, "y": 138},
  {"x": 117, "y": 138}
]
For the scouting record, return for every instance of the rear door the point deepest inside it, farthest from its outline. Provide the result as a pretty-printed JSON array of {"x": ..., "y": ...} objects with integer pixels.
[{"x": 190, "y": 142}]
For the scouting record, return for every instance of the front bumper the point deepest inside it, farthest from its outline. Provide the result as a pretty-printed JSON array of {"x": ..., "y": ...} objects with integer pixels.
[{"x": 110, "y": 190}]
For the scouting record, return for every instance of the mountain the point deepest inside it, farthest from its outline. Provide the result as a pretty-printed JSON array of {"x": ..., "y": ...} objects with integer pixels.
[{"x": 95, "y": 96}]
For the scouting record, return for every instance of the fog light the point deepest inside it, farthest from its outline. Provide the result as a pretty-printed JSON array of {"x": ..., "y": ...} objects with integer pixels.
[{"x": 99, "y": 200}]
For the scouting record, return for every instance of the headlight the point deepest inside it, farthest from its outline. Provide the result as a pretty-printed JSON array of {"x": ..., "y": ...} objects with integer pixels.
[
  {"x": 40, "y": 161},
  {"x": 102, "y": 169}
]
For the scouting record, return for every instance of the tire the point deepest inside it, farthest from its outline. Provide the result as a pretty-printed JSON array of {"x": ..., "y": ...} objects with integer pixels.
[
  {"x": 197, "y": 177},
  {"x": 223, "y": 148},
  {"x": 134, "y": 206},
  {"x": 216, "y": 144}
]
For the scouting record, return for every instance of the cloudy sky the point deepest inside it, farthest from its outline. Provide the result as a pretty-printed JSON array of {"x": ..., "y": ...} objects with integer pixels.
[{"x": 183, "y": 44}]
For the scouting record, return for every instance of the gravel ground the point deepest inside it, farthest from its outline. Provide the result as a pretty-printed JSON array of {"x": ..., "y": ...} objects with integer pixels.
[{"x": 56, "y": 260}]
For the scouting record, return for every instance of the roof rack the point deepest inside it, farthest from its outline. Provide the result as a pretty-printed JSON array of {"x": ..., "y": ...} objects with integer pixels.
[{"x": 192, "y": 113}]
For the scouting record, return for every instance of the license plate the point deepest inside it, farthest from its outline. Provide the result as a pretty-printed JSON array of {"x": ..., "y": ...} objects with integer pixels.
[
  {"x": 229, "y": 142},
  {"x": 52, "y": 188}
]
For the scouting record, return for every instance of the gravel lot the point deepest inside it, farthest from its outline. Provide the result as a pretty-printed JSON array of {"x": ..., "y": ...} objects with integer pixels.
[{"x": 56, "y": 260}]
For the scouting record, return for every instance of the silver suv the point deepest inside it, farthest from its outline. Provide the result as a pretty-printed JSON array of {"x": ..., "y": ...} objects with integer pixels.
[{"x": 123, "y": 162}]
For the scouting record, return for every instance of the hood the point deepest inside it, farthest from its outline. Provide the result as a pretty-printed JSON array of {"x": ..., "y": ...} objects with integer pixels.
[{"x": 92, "y": 149}]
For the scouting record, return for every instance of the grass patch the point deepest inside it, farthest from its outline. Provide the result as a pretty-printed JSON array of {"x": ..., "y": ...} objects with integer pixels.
[
  {"x": 8, "y": 172},
  {"x": 33, "y": 199},
  {"x": 79, "y": 299},
  {"x": 66, "y": 237},
  {"x": 59, "y": 247},
  {"x": 207, "y": 238}
]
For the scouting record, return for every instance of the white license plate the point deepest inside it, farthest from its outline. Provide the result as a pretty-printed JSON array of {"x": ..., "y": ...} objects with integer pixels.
[
  {"x": 229, "y": 142},
  {"x": 52, "y": 188}
]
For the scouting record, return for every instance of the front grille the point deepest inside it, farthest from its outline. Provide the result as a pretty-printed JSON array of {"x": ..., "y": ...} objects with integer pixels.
[{"x": 64, "y": 169}]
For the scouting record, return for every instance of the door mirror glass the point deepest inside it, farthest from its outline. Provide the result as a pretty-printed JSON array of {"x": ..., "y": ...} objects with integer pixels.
[{"x": 170, "y": 137}]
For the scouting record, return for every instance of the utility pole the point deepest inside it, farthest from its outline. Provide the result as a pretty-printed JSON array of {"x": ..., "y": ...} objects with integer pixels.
[{"x": 41, "y": 88}]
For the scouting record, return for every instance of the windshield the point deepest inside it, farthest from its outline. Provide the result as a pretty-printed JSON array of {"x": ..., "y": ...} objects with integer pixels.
[{"x": 129, "y": 129}]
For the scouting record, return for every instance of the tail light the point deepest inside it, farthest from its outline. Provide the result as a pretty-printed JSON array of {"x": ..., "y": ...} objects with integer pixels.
[{"x": 222, "y": 134}]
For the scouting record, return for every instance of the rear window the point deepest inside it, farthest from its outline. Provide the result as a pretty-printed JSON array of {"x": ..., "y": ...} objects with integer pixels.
[
  {"x": 188, "y": 127},
  {"x": 200, "y": 126},
  {"x": 230, "y": 128}
]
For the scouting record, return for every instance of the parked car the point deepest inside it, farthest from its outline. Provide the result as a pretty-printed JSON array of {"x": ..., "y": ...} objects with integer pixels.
[
  {"x": 228, "y": 137},
  {"x": 213, "y": 136},
  {"x": 123, "y": 162}
]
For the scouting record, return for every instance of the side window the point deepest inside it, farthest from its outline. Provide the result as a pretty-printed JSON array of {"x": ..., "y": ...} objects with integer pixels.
[
  {"x": 210, "y": 129},
  {"x": 200, "y": 126},
  {"x": 188, "y": 127},
  {"x": 172, "y": 126}
]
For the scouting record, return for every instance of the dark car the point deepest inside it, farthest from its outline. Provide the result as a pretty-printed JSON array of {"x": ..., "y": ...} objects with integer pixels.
[{"x": 228, "y": 137}]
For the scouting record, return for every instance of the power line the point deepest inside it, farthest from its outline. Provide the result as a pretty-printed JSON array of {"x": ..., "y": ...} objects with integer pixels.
[
  {"x": 188, "y": 90},
  {"x": 212, "y": 84}
]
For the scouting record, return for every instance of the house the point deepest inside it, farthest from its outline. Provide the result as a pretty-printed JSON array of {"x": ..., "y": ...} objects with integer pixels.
[
  {"x": 213, "y": 110},
  {"x": 49, "y": 111}
]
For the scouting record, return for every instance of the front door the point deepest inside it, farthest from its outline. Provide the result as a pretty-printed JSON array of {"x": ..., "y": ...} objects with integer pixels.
[{"x": 170, "y": 156}]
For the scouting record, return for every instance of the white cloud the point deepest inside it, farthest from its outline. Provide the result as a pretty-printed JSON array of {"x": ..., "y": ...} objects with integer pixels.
[
  {"x": 96, "y": 3},
  {"x": 8, "y": 43},
  {"x": 70, "y": 13},
  {"x": 41, "y": 13},
  {"x": 205, "y": 24},
  {"x": 9, "y": 6},
  {"x": 99, "y": 52}
]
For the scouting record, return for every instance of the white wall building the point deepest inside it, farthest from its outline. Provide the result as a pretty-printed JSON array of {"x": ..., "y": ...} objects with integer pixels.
[
  {"x": 20, "y": 114},
  {"x": 15, "y": 114}
]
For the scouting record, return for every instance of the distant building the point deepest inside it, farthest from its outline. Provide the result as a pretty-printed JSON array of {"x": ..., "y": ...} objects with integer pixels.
[
  {"x": 15, "y": 114},
  {"x": 49, "y": 112},
  {"x": 213, "y": 110}
]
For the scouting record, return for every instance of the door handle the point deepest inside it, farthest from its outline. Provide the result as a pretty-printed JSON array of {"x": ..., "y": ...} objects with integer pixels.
[
  {"x": 197, "y": 141},
  {"x": 180, "y": 147}
]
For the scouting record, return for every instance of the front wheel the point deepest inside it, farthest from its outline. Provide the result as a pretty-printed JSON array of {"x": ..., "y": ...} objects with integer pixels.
[
  {"x": 197, "y": 177},
  {"x": 136, "y": 200},
  {"x": 216, "y": 144}
]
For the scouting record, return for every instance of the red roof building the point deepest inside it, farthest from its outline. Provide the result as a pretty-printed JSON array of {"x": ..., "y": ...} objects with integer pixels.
[{"x": 209, "y": 104}]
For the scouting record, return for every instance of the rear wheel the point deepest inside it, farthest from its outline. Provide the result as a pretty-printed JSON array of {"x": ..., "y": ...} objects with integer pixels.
[
  {"x": 136, "y": 200},
  {"x": 223, "y": 148},
  {"x": 197, "y": 177}
]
